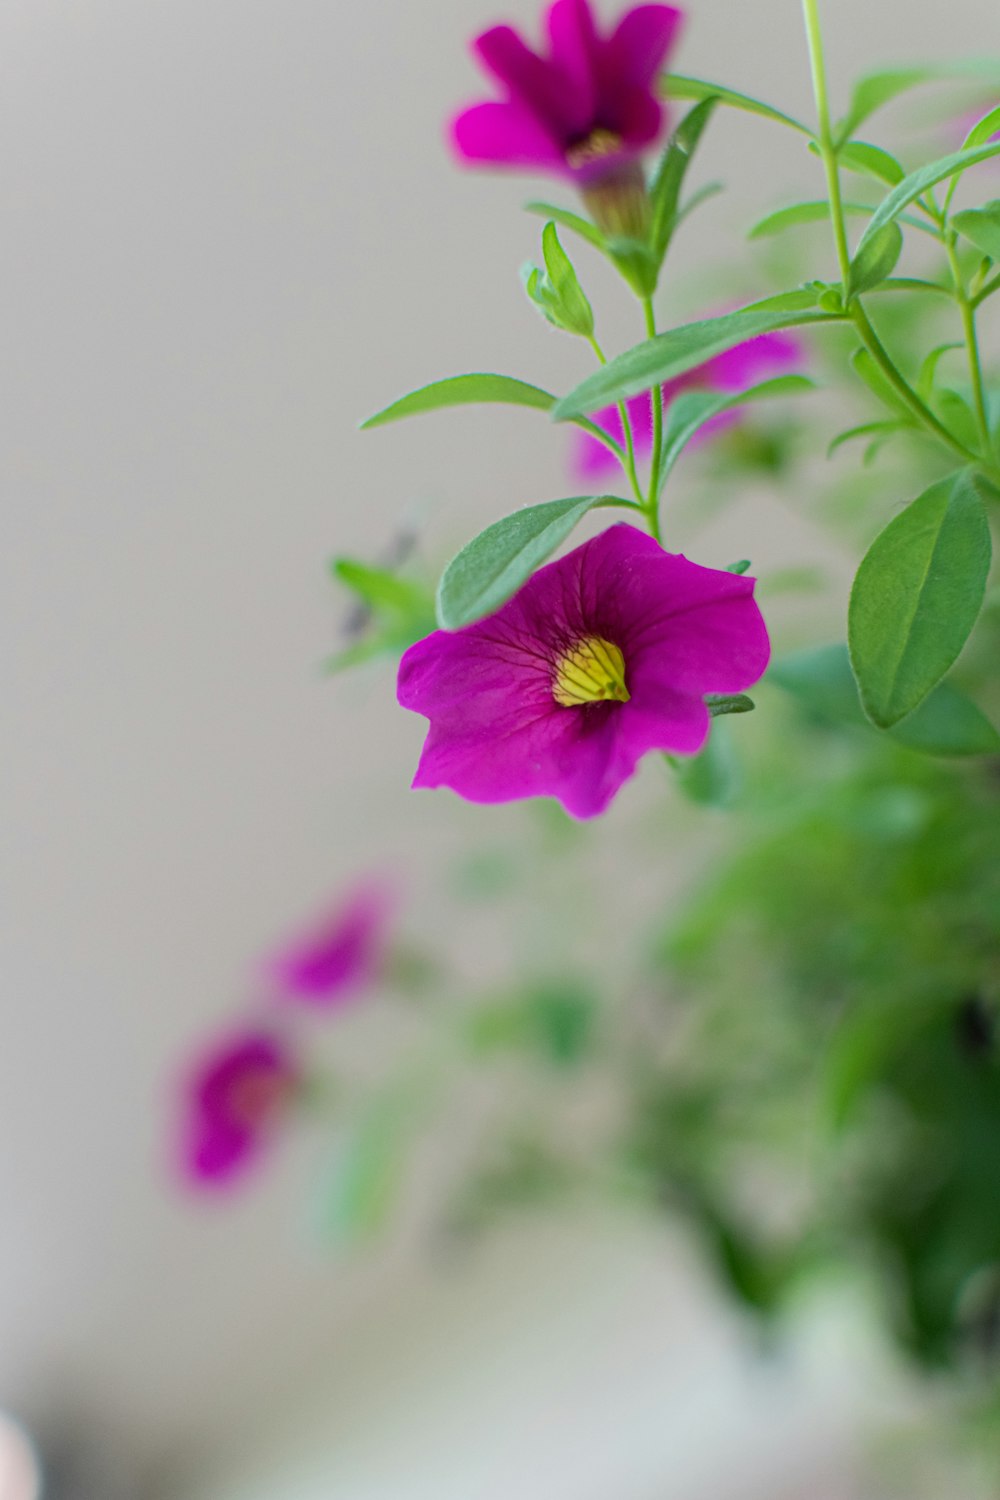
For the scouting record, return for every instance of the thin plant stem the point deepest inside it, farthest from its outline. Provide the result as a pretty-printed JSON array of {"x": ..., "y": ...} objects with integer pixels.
[
  {"x": 870, "y": 339},
  {"x": 626, "y": 420},
  {"x": 968, "y": 315},
  {"x": 656, "y": 396}
]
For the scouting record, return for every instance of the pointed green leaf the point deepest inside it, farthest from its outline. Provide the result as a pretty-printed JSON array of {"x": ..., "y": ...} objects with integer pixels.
[
  {"x": 871, "y": 161},
  {"x": 870, "y": 372},
  {"x": 878, "y": 89},
  {"x": 866, "y": 430},
  {"x": 946, "y": 723},
  {"x": 742, "y": 566},
  {"x": 696, "y": 199},
  {"x": 911, "y": 187},
  {"x": 689, "y": 412},
  {"x": 379, "y": 588},
  {"x": 875, "y": 260},
  {"x": 928, "y": 370},
  {"x": 493, "y": 566},
  {"x": 463, "y": 390},
  {"x": 567, "y": 220},
  {"x": 674, "y": 353},
  {"x": 957, "y": 415},
  {"x": 817, "y": 212},
  {"x": 916, "y": 597},
  {"x": 983, "y": 130},
  {"x": 981, "y": 227},
  {"x": 577, "y": 313},
  {"x": 665, "y": 189},
  {"x": 679, "y": 86},
  {"x": 719, "y": 704},
  {"x": 711, "y": 778}
]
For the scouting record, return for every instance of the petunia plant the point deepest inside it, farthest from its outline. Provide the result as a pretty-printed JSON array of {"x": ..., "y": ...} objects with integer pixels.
[{"x": 590, "y": 107}]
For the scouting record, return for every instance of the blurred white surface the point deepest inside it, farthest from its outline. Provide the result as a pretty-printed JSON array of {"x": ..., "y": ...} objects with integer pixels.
[
  {"x": 231, "y": 230},
  {"x": 18, "y": 1469}
]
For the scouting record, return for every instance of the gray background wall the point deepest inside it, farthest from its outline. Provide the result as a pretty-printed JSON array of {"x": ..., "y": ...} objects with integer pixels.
[{"x": 230, "y": 231}]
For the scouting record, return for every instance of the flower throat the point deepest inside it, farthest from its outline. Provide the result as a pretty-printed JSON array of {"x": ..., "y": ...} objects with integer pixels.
[{"x": 592, "y": 671}]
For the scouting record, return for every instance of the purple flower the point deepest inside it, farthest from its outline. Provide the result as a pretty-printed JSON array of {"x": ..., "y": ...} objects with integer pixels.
[
  {"x": 342, "y": 955},
  {"x": 582, "y": 108},
  {"x": 602, "y": 656},
  {"x": 735, "y": 370},
  {"x": 234, "y": 1098}
]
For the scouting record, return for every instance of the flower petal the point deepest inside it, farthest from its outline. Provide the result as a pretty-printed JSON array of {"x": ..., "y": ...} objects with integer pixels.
[
  {"x": 640, "y": 43},
  {"x": 504, "y": 135},
  {"x": 531, "y": 81},
  {"x": 574, "y": 48}
]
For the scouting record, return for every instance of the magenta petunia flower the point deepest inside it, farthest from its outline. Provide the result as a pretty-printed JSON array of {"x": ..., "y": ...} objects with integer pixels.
[
  {"x": 341, "y": 955},
  {"x": 735, "y": 370},
  {"x": 582, "y": 108},
  {"x": 235, "y": 1097},
  {"x": 602, "y": 656}
]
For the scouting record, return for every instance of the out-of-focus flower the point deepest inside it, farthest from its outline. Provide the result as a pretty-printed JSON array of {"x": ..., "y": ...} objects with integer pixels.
[
  {"x": 602, "y": 656},
  {"x": 735, "y": 370},
  {"x": 584, "y": 108},
  {"x": 342, "y": 955},
  {"x": 234, "y": 1099}
]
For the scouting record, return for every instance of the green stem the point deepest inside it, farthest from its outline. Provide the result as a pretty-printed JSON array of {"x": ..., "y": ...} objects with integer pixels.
[
  {"x": 626, "y": 420},
  {"x": 656, "y": 396},
  {"x": 828, "y": 150},
  {"x": 986, "y": 291},
  {"x": 870, "y": 339},
  {"x": 968, "y": 316},
  {"x": 902, "y": 387}
]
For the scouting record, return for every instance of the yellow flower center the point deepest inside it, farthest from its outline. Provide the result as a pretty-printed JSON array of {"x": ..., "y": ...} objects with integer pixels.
[
  {"x": 594, "y": 147},
  {"x": 592, "y": 671}
]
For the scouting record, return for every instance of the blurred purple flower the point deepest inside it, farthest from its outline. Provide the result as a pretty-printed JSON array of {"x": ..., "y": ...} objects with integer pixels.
[
  {"x": 735, "y": 370},
  {"x": 342, "y": 955},
  {"x": 601, "y": 656},
  {"x": 234, "y": 1098},
  {"x": 581, "y": 109}
]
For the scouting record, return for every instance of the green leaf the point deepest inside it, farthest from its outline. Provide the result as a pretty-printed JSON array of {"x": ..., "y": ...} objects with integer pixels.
[
  {"x": 719, "y": 704},
  {"x": 866, "y": 430},
  {"x": 875, "y": 261},
  {"x": 983, "y": 129},
  {"x": 866, "y": 368},
  {"x": 674, "y": 353},
  {"x": 556, "y": 291},
  {"x": 578, "y": 314},
  {"x": 928, "y": 370},
  {"x": 665, "y": 189},
  {"x": 679, "y": 86},
  {"x": 815, "y": 212},
  {"x": 878, "y": 89},
  {"x": 493, "y": 566},
  {"x": 689, "y": 412},
  {"x": 743, "y": 566},
  {"x": 463, "y": 390},
  {"x": 917, "y": 183},
  {"x": 696, "y": 199},
  {"x": 916, "y": 597},
  {"x": 371, "y": 1170},
  {"x": 710, "y": 778},
  {"x": 946, "y": 723},
  {"x": 871, "y": 161},
  {"x": 567, "y": 220},
  {"x": 957, "y": 415},
  {"x": 378, "y": 588},
  {"x": 981, "y": 227}
]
